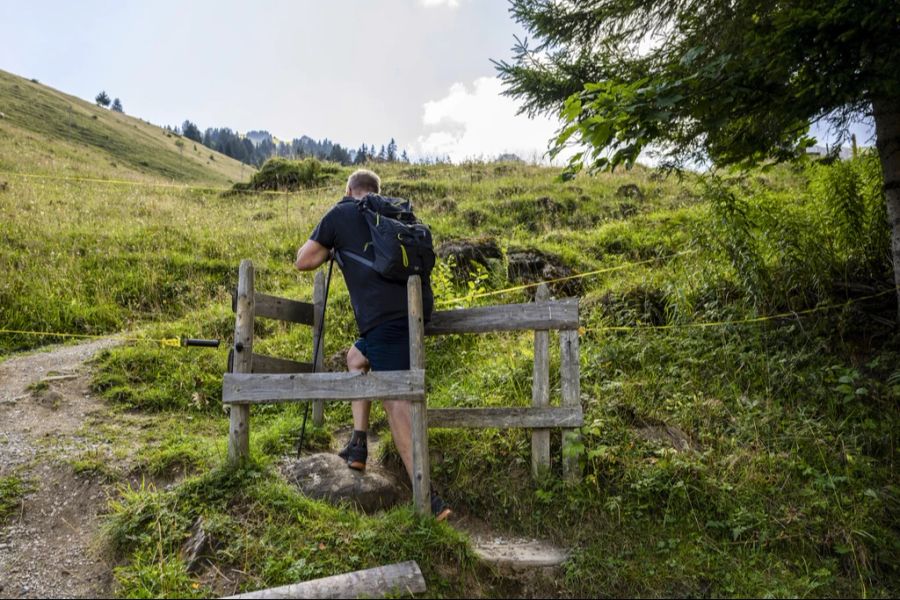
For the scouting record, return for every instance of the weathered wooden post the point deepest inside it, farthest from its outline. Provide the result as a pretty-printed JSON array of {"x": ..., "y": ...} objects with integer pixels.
[
  {"x": 318, "y": 407},
  {"x": 571, "y": 396},
  {"x": 540, "y": 392},
  {"x": 421, "y": 480},
  {"x": 239, "y": 428}
]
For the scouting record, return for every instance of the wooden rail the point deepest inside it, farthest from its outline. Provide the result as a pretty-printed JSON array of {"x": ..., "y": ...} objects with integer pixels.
[
  {"x": 505, "y": 418},
  {"x": 258, "y": 379},
  {"x": 559, "y": 314},
  {"x": 239, "y": 388},
  {"x": 273, "y": 307},
  {"x": 270, "y": 364}
]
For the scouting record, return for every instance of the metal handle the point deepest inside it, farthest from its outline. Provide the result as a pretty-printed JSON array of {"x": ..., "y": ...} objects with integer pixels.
[{"x": 200, "y": 342}]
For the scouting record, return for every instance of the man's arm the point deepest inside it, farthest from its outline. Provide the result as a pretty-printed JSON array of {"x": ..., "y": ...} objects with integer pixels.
[{"x": 311, "y": 255}]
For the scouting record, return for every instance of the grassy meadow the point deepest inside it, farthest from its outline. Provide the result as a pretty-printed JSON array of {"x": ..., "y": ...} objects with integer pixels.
[{"x": 749, "y": 459}]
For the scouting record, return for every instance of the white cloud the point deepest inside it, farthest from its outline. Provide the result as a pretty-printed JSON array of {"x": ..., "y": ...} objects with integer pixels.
[
  {"x": 481, "y": 123},
  {"x": 448, "y": 3}
]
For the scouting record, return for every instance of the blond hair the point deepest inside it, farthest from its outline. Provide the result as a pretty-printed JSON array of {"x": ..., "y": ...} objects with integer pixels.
[{"x": 364, "y": 180}]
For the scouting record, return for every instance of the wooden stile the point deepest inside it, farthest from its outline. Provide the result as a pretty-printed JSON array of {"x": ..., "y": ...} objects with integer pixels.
[
  {"x": 239, "y": 416},
  {"x": 540, "y": 392},
  {"x": 257, "y": 378},
  {"x": 421, "y": 480}
]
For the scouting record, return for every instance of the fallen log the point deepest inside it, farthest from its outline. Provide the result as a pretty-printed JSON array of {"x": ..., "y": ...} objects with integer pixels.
[{"x": 389, "y": 580}]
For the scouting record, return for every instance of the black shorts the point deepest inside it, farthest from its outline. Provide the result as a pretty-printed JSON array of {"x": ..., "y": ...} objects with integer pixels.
[{"x": 386, "y": 346}]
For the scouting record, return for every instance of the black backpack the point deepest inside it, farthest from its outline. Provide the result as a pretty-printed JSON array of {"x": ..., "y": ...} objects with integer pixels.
[{"x": 402, "y": 244}]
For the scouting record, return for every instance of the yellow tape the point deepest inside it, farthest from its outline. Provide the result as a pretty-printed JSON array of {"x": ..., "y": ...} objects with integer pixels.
[
  {"x": 175, "y": 342},
  {"x": 558, "y": 279},
  {"x": 160, "y": 185},
  {"x": 762, "y": 319}
]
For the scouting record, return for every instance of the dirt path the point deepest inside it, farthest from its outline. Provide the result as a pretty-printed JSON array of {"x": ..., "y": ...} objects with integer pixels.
[{"x": 49, "y": 549}]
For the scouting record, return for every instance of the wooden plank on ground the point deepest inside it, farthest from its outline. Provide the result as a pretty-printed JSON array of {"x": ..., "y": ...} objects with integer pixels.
[
  {"x": 331, "y": 387},
  {"x": 271, "y": 364},
  {"x": 504, "y": 418},
  {"x": 400, "y": 579},
  {"x": 273, "y": 307},
  {"x": 556, "y": 314}
]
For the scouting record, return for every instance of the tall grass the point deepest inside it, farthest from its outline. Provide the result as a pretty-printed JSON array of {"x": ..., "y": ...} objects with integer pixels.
[{"x": 741, "y": 460}]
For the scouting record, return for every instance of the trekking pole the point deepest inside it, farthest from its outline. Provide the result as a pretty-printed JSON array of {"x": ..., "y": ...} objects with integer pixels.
[{"x": 316, "y": 351}]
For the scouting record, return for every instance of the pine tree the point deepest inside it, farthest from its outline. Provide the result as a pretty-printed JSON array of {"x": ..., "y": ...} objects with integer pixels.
[
  {"x": 191, "y": 131},
  {"x": 735, "y": 83},
  {"x": 117, "y": 105},
  {"x": 102, "y": 99},
  {"x": 391, "y": 151}
]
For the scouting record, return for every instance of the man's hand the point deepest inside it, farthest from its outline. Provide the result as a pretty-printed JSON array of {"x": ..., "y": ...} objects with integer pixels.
[{"x": 311, "y": 255}]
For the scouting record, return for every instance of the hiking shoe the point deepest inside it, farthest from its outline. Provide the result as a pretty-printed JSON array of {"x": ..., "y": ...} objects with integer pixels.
[
  {"x": 356, "y": 452},
  {"x": 439, "y": 509}
]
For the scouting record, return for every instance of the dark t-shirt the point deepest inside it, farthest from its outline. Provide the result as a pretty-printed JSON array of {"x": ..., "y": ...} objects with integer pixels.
[{"x": 375, "y": 299}]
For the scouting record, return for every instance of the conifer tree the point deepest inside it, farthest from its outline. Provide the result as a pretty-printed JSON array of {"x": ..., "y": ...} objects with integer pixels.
[
  {"x": 735, "y": 82},
  {"x": 391, "y": 155}
]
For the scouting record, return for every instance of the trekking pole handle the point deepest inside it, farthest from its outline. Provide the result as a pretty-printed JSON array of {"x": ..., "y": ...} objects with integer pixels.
[{"x": 200, "y": 342}]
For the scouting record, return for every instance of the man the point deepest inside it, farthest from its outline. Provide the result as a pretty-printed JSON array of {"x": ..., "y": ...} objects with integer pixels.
[{"x": 379, "y": 306}]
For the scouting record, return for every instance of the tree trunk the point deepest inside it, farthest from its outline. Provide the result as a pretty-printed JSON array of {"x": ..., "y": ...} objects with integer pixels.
[{"x": 887, "y": 133}]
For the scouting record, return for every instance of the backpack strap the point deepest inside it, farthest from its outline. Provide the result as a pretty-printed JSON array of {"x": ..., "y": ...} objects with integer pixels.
[{"x": 353, "y": 256}]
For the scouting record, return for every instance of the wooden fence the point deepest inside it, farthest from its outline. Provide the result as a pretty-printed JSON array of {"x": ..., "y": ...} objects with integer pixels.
[{"x": 257, "y": 379}]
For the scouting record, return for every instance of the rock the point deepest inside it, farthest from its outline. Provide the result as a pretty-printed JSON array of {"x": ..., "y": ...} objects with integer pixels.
[
  {"x": 326, "y": 477},
  {"x": 469, "y": 251},
  {"x": 532, "y": 266},
  {"x": 630, "y": 190},
  {"x": 518, "y": 555},
  {"x": 199, "y": 547},
  {"x": 3, "y": 186},
  {"x": 667, "y": 435},
  {"x": 50, "y": 398}
]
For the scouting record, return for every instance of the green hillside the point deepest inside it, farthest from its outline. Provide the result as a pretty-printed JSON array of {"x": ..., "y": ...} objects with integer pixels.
[
  {"x": 45, "y": 131},
  {"x": 739, "y": 361}
]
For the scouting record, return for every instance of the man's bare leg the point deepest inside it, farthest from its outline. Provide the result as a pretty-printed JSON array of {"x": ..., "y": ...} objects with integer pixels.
[
  {"x": 356, "y": 458},
  {"x": 358, "y": 363},
  {"x": 399, "y": 414},
  {"x": 400, "y": 419}
]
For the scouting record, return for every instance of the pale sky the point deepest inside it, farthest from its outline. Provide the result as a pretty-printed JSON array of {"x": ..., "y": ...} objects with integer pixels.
[{"x": 353, "y": 71}]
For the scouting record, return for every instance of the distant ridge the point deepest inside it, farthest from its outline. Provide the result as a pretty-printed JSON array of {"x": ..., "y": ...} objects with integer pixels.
[{"x": 47, "y": 131}]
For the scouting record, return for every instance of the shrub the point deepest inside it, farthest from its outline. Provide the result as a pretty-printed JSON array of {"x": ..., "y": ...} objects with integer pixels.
[{"x": 282, "y": 174}]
